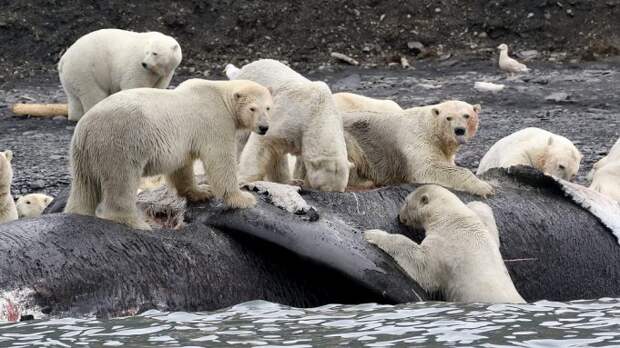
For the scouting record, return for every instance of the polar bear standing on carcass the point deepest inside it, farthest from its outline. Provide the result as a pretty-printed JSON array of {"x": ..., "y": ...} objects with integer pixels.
[
  {"x": 459, "y": 257},
  {"x": 106, "y": 61},
  {"x": 416, "y": 145},
  {"x": 148, "y": 132},
  {"x": 550, "y": 153},
  {"x": 305, "y": 123},
  {"x": 605, "y": 174}
]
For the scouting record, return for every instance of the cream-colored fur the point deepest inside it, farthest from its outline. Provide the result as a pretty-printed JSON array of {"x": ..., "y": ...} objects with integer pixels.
[
  {"x": 106, "y": 61},
  {"x": 148, "y": 132},
  {"x": 605, "y": 174},
  {"x": 459, "y": 257},
  {"x": 417, "y": 145},
  {"x": 8, "y": 212},
  {"x": 347, "y": 102},
  {"x": 550, "y": 153},
  {"x": 305, "y": 123},
  {"x": 32, "y": 204}
]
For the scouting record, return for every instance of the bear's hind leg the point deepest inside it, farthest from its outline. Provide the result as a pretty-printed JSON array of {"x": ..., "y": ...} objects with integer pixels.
[
  {"x": 184, "y": 182},
  {"x": 119, "y": 201},
  {"x": 84, "y": 196},
  {"x": 75, "y": 107},
  {"x": 92, "y": 97}
]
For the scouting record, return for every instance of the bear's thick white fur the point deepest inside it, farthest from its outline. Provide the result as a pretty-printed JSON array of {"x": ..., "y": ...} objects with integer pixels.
[
  {"x": 347, "y": 102},
  {"x": 550, "y": 153},
  {"x": 416, "y": 145},
  {"x": 605, "y": 174},
  {"x": 32, "y": 204},
  {"x": 8, "y": 212},
  {"x": 305, "y": 123},
  {"x": 459, "y": 256},
  {"x": 106, "y": 61},
  {"x": 148, "y": 132}
]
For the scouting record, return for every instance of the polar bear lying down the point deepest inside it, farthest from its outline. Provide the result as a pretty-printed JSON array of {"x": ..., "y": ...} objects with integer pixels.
[
  {"x": 146, "y": 132},
  {"x": 305, "y": 123},
  {"x": 106, "y": 61},
  {"x": 550, "y": 153},
  {"x": 347, "y": 102},
  {"x": 416, "y": 145},
  {"x": 459, "y": 257}
]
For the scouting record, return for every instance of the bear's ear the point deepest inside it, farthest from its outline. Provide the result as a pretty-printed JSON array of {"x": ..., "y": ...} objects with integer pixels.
[
  {"x": 435, "y": 111},
  {"x": 48, "y": 200},
  {"x": 9, "y": 155},
  {"x": 424, "y": 199},
  {"x": 351, "y": 165},
  {"x": 175, "y": 47},
  {"x": 550, "y": 141},
  {"x": 270, "y": 91},
  {"x": 477, "y": 108}
]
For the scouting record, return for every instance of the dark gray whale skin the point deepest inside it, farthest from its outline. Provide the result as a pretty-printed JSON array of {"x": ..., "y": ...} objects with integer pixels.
[{"x": 553, "y": 248}]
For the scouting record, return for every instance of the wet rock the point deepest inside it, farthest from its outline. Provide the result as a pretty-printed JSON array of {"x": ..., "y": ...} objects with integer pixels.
[
  {"x": 529, "y": 54},
  {"x": 37, "y": 185},
  {"x": 558, "y": 97},
  {"x": 350, "y": 82}
]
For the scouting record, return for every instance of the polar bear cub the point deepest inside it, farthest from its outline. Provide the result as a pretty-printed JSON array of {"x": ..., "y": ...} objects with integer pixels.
[
  {"x": 347, "y": 102},
  {"x": 8, "y": 212},
  {"x": 417, "y": 145},
  {"x": 550, "y": 153},
  {"x": 106, "y": 61},
  {"x": 605, "y": 174},
  {"x": 32, "y": 204},
  {"x": 305, "y": 123},
  {"x": 459, "y": 257},
  {"x": 147, "y": 132}
]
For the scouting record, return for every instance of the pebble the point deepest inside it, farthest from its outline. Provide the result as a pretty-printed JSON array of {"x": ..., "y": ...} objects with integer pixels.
[{"x": 37, "y": 184}]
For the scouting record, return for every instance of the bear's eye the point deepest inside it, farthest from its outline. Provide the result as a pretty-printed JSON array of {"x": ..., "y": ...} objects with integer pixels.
[
  {"x": 465, "y": 116},
  {"x": 154, "y": 53},
  {"x": 268, "y": 108},
  {"x": 449, "y": 118},
  {"x": 561, "y": 167},
  {"x": 252, "y": 109},
  {"x": 27, "y": 202}
]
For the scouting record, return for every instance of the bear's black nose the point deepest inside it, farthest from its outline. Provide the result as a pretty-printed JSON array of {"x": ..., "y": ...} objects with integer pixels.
[
  {"x": 144, "y": 65},
  {"x": 459, "y": 131},
  {"x": 263, "y": 129}
]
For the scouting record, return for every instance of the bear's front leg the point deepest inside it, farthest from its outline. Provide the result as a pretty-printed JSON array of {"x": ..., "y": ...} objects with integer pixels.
[
  {"x": 183, "y": 181},
  {"x": 458, "y": 178},
  {"x": 220, "y": 164}
]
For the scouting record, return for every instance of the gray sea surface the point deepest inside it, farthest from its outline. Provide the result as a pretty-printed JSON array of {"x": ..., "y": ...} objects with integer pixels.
[{"x": 585, "y": 323}]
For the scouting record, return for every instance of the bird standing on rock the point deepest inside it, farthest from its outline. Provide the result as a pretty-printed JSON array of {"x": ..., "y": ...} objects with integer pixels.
[{"x": 509, "y": 65}]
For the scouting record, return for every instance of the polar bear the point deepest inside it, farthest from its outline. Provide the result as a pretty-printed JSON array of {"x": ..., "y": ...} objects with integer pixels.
[
  {"x": 305, "y": 123},
  {"x": 605, "y": 174},
  {"x": 106, "y": 61},
  {"x": 32, "y": 204},
  {"x": 8, "y": 212},
  {"x": 459, "y": 257},
  {"x": 550, "y": 153},
  {"x": 416, "y": 145},
  {"x": 147, "y": 132},
  {"x": 347, "y": 102}
]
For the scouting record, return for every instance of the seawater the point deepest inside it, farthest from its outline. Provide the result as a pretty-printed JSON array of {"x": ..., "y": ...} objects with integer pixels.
[{"x": 586, "y": 323}]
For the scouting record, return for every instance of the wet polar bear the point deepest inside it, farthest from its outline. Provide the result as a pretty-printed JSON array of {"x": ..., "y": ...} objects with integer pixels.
[
  {"x": 305, "y": 123},
  {"x": 8, "y": 212},
  {"x": 32, "y": 204},
  {"x": 459, "y": 257},
  {"x": 416, "y": 145},
  {"x": 347, "y": 102},
  {"x": 106, "y": 61},
  {"x": 605, "y": 174},
  {"x": 146, "y": 132},
  {"x": 550, "y": 153}
]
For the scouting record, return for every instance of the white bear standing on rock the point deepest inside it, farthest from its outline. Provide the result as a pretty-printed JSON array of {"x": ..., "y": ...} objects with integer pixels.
[
  {"x": 146, "y": 132},
  {"x": 8, "y": 212},
  {"x": 32, "y": 204},
  {"x": 417, "y": 145},
  {"x": 605, "y": 174},
  {"x": 347, "y": 102},
  {"x": 459, "y": 257},
  {"x": 106, "y": 61},
  {"x": 550, "y": 153}
]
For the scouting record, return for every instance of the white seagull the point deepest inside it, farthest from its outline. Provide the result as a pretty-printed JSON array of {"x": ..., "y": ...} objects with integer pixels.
[{"x": 508, "y": 64}]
